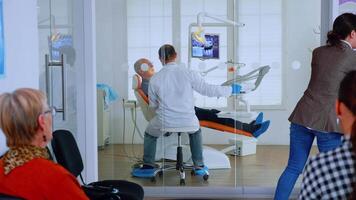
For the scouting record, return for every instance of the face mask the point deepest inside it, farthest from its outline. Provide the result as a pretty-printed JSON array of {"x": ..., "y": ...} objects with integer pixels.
[{"x": 144, "y": 67}]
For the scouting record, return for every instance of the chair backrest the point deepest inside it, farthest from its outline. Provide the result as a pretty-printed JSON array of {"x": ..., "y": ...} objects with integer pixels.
[
  {"x": 8, "y": 197},
  {"x": 141, "y": 97},
  {"x": 66, "y": 151}
]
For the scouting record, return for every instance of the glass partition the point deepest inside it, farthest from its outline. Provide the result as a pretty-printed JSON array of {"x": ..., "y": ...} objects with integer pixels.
[
  {"x": 251, "y": 55},
  {"x": 61, "y": 55}
]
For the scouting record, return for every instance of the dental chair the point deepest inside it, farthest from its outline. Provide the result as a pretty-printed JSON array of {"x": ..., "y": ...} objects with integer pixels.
[
  {"x": 142, "y": 100},
  {"x": 213, "y": 158},
  {"x": 256, "y": 75},
  {"x": 8, "y": 197},
  {"x": 247, "y": 85}
]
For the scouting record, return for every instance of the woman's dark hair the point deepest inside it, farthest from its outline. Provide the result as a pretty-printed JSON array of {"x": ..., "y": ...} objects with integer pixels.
[
  {"x": 347, "y": 95},
  {"x": 166, "y": 52},
  {"x": 342, "y": 27}
]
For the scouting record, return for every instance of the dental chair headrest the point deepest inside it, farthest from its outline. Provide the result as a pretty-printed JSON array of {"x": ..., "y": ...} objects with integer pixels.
[
  {"x": 141, "y": 97},
  {"x": 136, "y": 82},
  {"x": 136, "y": 85}
]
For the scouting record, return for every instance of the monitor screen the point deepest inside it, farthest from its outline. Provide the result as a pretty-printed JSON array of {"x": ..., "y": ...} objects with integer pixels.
[
  {"x": 57, "y": 43},
  {"x": 209, "y": 50}
]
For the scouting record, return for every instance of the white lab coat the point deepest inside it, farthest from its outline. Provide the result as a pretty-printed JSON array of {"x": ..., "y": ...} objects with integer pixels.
[{"x": 171, "y": 95}]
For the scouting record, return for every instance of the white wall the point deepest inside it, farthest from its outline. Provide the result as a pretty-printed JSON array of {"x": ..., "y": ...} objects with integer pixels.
[
  {"x": 299, "y": 20},
  {"x": 21, "y": 48},
  {"x": 112, "y": 57}
]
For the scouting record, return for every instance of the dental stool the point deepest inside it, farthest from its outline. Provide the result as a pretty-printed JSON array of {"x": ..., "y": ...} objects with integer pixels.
[{"x": 180, "y": 166}]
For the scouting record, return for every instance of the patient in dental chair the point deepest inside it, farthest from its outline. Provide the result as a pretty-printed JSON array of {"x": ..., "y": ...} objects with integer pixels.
[{"x": 145, "y": 69}]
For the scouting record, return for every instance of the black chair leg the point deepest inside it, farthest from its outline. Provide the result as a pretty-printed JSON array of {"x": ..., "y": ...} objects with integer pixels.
[
  {"x": 180, "y": 165},
  {"x": 179, "y": 158}
]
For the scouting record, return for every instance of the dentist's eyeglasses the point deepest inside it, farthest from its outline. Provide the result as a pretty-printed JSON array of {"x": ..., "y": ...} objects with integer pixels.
[{"x": 51, "y": 110}]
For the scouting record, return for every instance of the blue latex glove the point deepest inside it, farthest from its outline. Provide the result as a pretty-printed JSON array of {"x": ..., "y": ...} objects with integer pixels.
[{"x": 236, "y": 89}]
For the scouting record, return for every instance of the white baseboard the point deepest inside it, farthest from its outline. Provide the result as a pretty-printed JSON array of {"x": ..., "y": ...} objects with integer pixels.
[{"x": 213, "y": 192}]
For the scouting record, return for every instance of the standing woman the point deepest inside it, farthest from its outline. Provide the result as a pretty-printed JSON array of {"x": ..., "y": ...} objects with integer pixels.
[
  {"x": 331, "y": 175},
  {"x": 314, "y": 114}
]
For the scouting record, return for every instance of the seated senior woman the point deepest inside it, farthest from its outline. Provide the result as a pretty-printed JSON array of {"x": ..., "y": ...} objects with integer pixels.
[{"x": 25, "y": 169}]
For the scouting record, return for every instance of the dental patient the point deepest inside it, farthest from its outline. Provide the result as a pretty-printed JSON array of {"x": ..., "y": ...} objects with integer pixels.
[{"x": 145, "y": 69}]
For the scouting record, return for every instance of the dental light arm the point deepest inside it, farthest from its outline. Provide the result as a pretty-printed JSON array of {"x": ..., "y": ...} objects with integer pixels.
[
  {"x": 201, "y": 15},
  {"x": 199, "y": 34}
]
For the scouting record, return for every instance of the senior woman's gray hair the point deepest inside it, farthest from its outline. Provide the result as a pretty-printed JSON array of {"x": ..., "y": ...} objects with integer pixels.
[{"x": 19, "y": 112}]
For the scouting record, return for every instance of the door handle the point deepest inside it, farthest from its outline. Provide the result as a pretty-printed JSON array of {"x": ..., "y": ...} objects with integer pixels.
[{"x": 49, "y": 86}]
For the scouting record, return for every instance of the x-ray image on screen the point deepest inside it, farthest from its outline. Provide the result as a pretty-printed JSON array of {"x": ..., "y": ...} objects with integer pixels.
[{"x": 208, "y": 50}]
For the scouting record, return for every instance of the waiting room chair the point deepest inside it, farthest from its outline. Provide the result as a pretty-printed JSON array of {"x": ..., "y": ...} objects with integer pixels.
[
  {"x": 67, "y": 154},
  {"x": 8, "y": 197}
]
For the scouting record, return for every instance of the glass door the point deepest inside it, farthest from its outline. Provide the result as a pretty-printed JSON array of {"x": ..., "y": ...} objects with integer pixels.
[
  {"x": 66, "y": 63},
  {"x": 60, "y": 59}
]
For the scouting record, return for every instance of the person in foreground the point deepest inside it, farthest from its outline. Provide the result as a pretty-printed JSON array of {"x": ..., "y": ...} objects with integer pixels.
[
  {"x": 257, "y": 127},
  {"x": 313, "y": 116},
  {"x": 331, "y": 174},
  {"x": 170, "y": 94},
  {"x": 25, "y": 169}
]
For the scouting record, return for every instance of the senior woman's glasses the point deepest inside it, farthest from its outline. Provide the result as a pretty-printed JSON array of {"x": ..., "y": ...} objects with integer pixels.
[{"x": 51, "y": 110}]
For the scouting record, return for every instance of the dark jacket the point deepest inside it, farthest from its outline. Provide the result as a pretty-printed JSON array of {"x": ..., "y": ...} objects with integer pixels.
[{"x": 316, "y": 109}]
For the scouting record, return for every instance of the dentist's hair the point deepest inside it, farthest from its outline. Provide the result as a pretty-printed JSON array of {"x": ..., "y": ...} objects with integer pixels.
[
  {"x": 166, "y": 53},
  {"x": 342, "y": 27}
]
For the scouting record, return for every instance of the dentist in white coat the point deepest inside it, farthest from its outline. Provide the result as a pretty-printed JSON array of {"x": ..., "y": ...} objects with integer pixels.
[{"x": 171, "y": 96}]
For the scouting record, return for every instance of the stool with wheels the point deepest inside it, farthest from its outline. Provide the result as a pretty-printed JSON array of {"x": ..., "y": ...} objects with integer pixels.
[{"x": 180, "y": 166}]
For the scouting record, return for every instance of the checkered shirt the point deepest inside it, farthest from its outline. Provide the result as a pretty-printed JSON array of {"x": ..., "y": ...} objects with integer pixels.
[{"x": 329, "y": 175}]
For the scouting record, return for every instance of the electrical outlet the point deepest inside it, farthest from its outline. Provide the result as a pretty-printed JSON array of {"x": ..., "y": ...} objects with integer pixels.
[{"x": 130, "y": 104}]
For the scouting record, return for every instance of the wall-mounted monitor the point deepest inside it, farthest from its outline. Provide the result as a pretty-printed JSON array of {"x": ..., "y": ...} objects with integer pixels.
[
  {"x": 58, "y": 42},
  {"x": 208, "y": 50}
]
